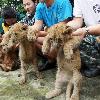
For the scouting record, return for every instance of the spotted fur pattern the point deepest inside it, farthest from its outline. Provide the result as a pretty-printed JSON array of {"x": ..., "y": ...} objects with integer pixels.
[
  {"x": 68, "y": 60},
  {"x": 27, "y": 50}
]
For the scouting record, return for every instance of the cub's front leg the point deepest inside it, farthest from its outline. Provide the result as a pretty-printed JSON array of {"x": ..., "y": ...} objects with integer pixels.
[
  {"x": 77, "y": 80},
  {"x": 31, "y": 33},
  {"x": 68, "y": 51},
  {"x": 70, "y": 45},
  {"x": 69, "y": 90},
  {"x": 46, "y": 46},
  {"x": 35, "y": 68},
  {"x": 23, "y": 72}
]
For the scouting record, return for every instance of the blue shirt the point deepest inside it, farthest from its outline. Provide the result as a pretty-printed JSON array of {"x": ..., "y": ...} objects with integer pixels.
[
  {"x": 1, "y": 29},
  {"x": 57, "y": 12}
]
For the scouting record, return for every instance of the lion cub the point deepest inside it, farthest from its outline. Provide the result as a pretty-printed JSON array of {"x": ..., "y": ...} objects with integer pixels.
[
  {"x": 9, "y": 57},
  {"x": 68, "y": 60},
  {"x": 27, "y": 50}
]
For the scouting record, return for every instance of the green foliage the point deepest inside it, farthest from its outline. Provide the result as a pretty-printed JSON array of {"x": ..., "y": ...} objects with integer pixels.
[
  {"x": 20, "y": 8},
  {"x": 16, "y": 4}
]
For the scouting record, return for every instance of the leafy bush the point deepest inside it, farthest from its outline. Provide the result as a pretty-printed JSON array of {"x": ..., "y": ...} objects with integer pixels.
[{"x": 16, "y": 4}]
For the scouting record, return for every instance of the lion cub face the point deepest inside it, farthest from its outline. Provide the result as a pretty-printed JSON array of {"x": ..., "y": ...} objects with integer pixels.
[
  {"x": 5, "y": 40},
  {"x": 18, "y": 33},
  {"x": 58, "y": 34}
]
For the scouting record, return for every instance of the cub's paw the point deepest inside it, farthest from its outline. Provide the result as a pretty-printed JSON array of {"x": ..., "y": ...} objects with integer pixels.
[
  {"x": 31, "y": 34},
  {"x": 69, "y": 55},
  {"x": 53, "y": 93},
  {"x": 45, "y": 50},
  {"x": 74, "y": 97},
  {"x": 22, "y": 81},
  {"x": 39, "y": 75},
  {"x": 31, "y": 37}
]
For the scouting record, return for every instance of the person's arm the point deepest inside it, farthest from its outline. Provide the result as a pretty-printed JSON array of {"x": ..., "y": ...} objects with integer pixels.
[
  {"x": 76, "y": 23},
  {"x": 38, "y": 25},
  {"x": 35, "y": 29},
  {"x": 93, "y": 30},
  {"x": 38, "y": 17}
]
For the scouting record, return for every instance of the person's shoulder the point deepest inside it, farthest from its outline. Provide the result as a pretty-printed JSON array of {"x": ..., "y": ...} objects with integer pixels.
[
  {"x": 60, "y": 2},
  {"x": 40, "y": 5}
]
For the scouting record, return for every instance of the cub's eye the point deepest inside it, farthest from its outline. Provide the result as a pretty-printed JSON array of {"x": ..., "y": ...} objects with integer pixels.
[
  {"x": 23, "y": 28},
  {"x": 9, "y": 36},
  {"x": 15, "y": 33},
  {"x": 51, "y": 39},
  {"x": 13, "y": 41},
  {"x": 3, "y": 44},
  {"x": 59, "y": 40}
]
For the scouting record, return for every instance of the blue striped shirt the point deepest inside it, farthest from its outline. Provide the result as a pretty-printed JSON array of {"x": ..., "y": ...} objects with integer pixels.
[{"x": 28, "y": 19}]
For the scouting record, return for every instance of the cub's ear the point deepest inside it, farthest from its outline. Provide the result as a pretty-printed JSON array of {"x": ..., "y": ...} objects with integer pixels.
[
  {"x": 68, "y": 30},
  {"x": 45, "y": 28}
]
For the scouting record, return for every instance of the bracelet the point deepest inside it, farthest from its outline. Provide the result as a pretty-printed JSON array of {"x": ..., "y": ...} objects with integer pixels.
[{"x": 87, "y": 31}]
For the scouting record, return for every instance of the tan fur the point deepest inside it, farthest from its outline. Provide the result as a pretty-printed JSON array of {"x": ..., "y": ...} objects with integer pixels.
[
  {"x": 4, "y": 42},
  {"x": 32, "y": 33},
  {"x": 98, "y": 39},
  {"x": 27, "y": 50},
  {"x": 68, "y": 60},
  {"x": 9, "y": 59}
]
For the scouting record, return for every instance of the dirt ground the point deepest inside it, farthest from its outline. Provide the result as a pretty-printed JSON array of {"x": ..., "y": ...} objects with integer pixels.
[{"x": 36, "y": 89}]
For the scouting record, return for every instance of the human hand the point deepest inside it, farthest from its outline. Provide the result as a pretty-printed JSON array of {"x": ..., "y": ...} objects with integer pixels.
[
  {"x": 42, "y": 34},
  {"x": 80, "y": 32}
]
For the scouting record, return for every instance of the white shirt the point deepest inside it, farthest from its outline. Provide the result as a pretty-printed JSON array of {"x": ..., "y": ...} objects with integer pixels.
[{"x": 89, "y": 10}]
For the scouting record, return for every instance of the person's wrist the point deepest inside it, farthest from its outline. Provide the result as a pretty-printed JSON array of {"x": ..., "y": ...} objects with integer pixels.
[{"x": 86, "y": 31}]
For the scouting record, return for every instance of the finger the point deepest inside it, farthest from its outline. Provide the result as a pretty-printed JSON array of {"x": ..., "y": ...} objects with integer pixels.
[
  {"x": 39, "y": 46},
  {"x": 42, "y": 33},
  {"x": 40, "y": 40},
  {"x": 75, "y": 34}
]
